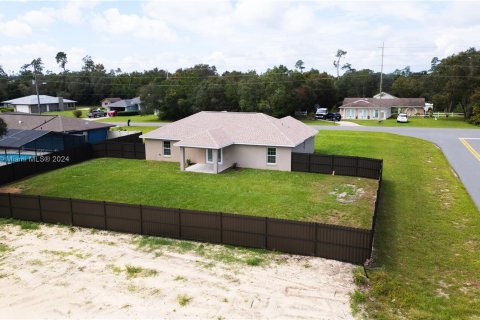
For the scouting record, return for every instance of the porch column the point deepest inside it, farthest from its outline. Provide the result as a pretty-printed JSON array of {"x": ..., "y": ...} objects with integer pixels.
[
  {"x": 182, "y": 158},
  {"x": 215, "y": 160}
]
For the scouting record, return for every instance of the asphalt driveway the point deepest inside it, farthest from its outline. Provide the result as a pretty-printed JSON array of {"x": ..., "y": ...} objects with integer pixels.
[{"x": 464, "y": 158}]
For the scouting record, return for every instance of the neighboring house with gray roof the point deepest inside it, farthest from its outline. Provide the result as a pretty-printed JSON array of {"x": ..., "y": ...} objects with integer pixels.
[
  {"x": 381, "y": 106},
  {"x": 29, "y": 104},
  {"x": 107, "y": 101},
  {"x": 128, "y": 105},
  {"x": 215, "y": 141},
  {"x": 92, "y": 131}
]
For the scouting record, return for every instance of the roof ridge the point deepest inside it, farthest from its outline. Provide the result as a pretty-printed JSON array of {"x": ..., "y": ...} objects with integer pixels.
[{"x": 269, "y": 118}]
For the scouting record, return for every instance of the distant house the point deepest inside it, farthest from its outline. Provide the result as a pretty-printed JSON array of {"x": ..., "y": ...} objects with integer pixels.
[
  {"x": 93, "y": 132},
  {"x": 128, "y": 105},
  {"x": 107, "y": 101},
  {"x": 29, "y": 104},
  {"x": 215, "y": 141},
  {"x": 381, "y": 106}
]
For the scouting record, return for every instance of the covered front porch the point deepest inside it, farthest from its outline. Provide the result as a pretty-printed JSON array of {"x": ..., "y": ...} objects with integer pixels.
[{"x": 203, "y": 160}]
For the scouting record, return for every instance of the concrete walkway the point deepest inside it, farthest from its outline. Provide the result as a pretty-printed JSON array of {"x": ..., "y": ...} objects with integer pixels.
[{"x": 462, "y": 158}]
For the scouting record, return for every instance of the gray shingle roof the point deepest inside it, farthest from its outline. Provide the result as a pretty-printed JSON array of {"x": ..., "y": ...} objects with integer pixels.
[
  {"x": 375, "y": 103},
  {"x": 32, "y": 100},
  {"x": 208, "y": 129},
  {"x": 125, "y": 103},
  {"x": 25, "y": 121}
]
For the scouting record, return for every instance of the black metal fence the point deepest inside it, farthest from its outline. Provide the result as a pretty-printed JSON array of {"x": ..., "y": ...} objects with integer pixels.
[
  {"x": 296, "y": 237},
  {"x": 306, "y": 238},
  {"x": 340, "y": 165}
]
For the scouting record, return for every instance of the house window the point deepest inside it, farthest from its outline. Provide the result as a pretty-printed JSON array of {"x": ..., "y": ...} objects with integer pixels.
[
  {"x": 219, "y": 156},
  {"x": 271, "y": 155},
  {"x": 167, "y": 150}
]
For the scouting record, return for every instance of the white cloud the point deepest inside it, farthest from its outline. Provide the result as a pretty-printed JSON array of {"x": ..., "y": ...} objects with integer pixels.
[
  {"x": 15, "y": 28},
  {"x": 113, "y": 22},
  {"x": 18, "y": 55}
]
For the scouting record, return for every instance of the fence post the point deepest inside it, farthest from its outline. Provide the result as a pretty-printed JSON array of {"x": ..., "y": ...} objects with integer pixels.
[
  {"x": 105, "y": 214},
  {"x": 10, "y": 204},
  {"x": 356, "y": 167},
  {"x": 134, "y": 150},
  {"x": 106, "y": 150},
  {"x": 141, "y": 219},
  {"x": 122, "y": 150},
  {"x": 40, "y": 208},
  {"x": 315, "y": 240},
  {"x": 266, "y": 232},
  {"x": 221, "y": 227},
  {"x": 333, "y": 165},
  {"x": 309, "y": 163},
  {"x": 179, "y": 224},
  {"x": 71, "y": 211}
]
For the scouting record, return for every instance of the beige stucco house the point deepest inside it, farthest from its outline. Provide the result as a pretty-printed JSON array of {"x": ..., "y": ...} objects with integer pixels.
[
  {"x": 215, "y": 141},
  {"x": 381, "y": 106}
]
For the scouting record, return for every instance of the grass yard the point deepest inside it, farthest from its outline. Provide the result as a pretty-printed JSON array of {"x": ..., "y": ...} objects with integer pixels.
[
  {"x": 69, "y": 113},
  {"x": 287, "y": 195},
  {"x": 137, "y": 118},
  {"x": 319, "y": 122},
  {"x": 143, "y": 129},
  {"x": 427, "y": 244},
  {"x": 443, "y": 122}
]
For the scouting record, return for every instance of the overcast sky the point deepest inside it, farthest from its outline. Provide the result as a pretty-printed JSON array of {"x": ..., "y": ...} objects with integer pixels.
[{"x": 236, "y": 35}]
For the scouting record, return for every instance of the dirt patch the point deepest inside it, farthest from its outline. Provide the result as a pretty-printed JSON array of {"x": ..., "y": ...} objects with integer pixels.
[
  {"x": 347, "y": 193},
  {"x": 10, "y": 190},
  {"x": 58, "y": 272}
]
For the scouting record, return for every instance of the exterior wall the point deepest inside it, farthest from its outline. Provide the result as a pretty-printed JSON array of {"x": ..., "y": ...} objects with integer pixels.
[
  {"x": 154, "y": 151},
  {"x": 22, "y": 108},
  {"x": 306, "y": 146},
  {"x": 247, "y": 156},
  {"x": 411, "y": 111},
  {"x": 364, "y": 113},
  {"x": 96, "y": 136}
]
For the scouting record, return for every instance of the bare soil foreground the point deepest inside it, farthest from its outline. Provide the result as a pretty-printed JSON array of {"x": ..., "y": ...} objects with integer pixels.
[{"x": 65, "y": 272}]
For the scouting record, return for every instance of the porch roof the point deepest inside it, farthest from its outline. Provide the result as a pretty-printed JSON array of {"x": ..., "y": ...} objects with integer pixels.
[{"x": 211, "y": 139}]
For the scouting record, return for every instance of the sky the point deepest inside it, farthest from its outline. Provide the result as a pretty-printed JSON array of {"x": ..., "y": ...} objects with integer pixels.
[{"x": 235, "y": 34}]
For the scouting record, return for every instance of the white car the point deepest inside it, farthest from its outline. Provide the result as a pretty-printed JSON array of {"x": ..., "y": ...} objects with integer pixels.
[{"x": 402, "y": 117}]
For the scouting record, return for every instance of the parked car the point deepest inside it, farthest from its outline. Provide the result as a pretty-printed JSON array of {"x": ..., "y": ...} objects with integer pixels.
[
  {"x": 97, "y": 113},
  {"x": 112, "y": 113},
  {"x": 333, "y": 116},
  {"x": 321, "y": 113},
  {"x": 402, "y": 117}
]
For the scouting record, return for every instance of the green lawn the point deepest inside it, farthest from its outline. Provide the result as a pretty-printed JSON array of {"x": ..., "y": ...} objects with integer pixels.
[
  {"x": 137, "y": 118},
  {"x": 427, "y": 246},
  {"x": 288, "y": 195},
  {"x": 69, "y": 113},
  {"x": 320, "y": 122},
  {"x": 450, "y": 122},
  {"x": 143, "y": 129}
]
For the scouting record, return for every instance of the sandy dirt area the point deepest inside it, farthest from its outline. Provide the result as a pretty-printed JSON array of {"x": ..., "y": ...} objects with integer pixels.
[{"x": 62, "y": 272}]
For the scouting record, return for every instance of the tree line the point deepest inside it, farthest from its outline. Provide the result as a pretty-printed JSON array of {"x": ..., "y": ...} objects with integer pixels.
[{"x": 451, "y": 83}]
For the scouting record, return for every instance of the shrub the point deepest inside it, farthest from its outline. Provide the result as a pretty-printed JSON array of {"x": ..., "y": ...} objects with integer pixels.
[
  {"x": 127, "y": 113},
  {"x": 77, "y": 113},
  {"x": 7, "y": 109},
  {"x": 475, "y": 117}
]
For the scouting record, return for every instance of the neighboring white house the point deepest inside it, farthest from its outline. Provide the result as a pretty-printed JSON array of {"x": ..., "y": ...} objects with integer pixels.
[
  {"x": 128, "y": 105},
  {"x": 29, "y": 104},
  {"x": 215, "y": 141},
  {"x": 381, "y": 106}
]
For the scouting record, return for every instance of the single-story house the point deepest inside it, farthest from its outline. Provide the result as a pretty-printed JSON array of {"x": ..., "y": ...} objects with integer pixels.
[
  {"x": 129, "y": 105},
  {"x": 216, "y": 141},
  {"x": 92, "y": 131},
  {"x": 29, "y": 104},
  {"x": 107, "y": 101},
  {"x": 381, "y": 106}
]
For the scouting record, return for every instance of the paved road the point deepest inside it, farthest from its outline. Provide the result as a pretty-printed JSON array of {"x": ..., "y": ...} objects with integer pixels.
[{"x": 465, "y": 162}]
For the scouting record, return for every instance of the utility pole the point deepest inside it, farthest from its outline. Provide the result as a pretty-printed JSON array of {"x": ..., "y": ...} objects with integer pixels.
[
  {"x": 381, "y": 82},
  {"x": 36, "y": 90}
]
